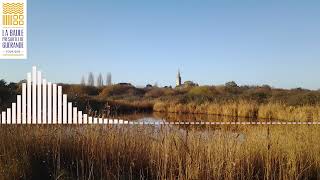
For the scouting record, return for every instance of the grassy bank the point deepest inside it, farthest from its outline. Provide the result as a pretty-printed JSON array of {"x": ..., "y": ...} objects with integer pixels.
[
  {"x": 92, "y": 152},
  {"x": 244, "y": 109}
]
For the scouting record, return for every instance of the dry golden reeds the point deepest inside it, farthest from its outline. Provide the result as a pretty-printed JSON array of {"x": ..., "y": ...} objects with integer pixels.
[
  {"x": 141, "y": 152},
  {"x": 247, "y": 109}
]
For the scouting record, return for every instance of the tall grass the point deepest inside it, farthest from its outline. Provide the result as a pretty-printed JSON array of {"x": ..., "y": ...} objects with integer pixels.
[
  {"x": 136, "y": 152},
  {"x": 247, "y": 109}
]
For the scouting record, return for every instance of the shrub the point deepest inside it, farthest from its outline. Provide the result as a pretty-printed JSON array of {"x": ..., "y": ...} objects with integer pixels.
[{"x": 155, "y": 93}]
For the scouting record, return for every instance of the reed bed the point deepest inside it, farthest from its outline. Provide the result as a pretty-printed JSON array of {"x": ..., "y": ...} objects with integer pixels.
[
  {"x": 146, "y": 152},
  {"x": 246, "y": 109}
]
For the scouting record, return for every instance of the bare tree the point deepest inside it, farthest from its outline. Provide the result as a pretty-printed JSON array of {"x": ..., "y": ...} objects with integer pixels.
[
  {"x": 109, "y": 79},
  {"x": 90, "y": 79},
  {"x": 155, "y": 84},
  {"x": 83, "y": 81},
  {"x": 100, "y": 80}
]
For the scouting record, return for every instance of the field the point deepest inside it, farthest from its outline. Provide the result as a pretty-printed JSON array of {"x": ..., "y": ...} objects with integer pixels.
[{"x": 146, "y": 152}]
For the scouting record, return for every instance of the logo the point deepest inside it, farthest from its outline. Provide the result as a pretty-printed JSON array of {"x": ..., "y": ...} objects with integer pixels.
[{"x": 13, "y": 29}]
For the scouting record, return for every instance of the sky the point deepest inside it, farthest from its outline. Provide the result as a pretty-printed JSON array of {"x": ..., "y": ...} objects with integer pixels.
[{"x": 252, "y": 42}]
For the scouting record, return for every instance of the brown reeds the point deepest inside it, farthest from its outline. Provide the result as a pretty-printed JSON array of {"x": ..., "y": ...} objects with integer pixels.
[
  {"x": 247, "y": 109},
  {"x": 142, "y": 152}
]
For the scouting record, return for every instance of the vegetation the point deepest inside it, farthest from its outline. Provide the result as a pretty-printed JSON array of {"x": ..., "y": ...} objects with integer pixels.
[
  {"x": 226, "y": 100},
  {"x": 133, "y": 152},
  {"x": 246, "y": 109}
]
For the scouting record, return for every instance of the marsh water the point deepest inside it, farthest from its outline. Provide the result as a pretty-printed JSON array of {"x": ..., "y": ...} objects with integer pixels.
[{"x": 201, "y": 130}]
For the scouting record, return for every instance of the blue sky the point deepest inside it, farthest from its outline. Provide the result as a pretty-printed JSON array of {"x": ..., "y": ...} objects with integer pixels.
[{"x": 252, "y": 42}]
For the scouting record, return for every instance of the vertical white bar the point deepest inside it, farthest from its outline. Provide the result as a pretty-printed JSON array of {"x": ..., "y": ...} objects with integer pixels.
[
  {"x": 64, "y": 113},
  {"x": 85, "y": 119},
  {"x": 18, "y": 109},
  {"x": 69, "y": 113},
  {"x": 39, "y": 83},
  {"x": 54, "y": 103},
  {"x": 80, "y": 120},
  {"x": 95, "y": 120},
  {"x": 29, "y": 98},
  {"x": 59, "y": 104},
  {"x": 49, "y": 102},
  {"x": 34, "y": 95},
  {"x": 24, "y": 103},
  {"x": 90, "y": 120},
  {"x": 14, "y": 113},
  {"x": 44, "y": 101},
  {"x": 75, "y": 111},
  {"x": 3, "y": 118},
  {"x": 100, "y": 121},
  {"x": 8, "y": 116}
]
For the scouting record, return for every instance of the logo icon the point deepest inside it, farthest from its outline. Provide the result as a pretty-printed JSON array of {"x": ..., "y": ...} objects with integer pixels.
[{"x": 13, "y": 14}]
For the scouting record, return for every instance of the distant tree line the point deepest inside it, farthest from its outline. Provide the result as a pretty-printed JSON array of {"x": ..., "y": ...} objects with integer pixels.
[
  {"x": 8, "y": 92},
  {"x": 99, "y": 80}
]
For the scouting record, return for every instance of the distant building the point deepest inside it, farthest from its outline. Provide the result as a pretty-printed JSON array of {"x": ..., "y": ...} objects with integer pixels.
[
  {"x": 124, "y": 84},
  {"x": 189, "y": 84},
  {"x": 149, "y": 86},
  {"x": 178, "y": 81}
]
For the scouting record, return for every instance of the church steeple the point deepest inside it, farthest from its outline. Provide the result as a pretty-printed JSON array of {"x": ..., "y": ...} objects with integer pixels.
[{"x": 178, "y": 81}]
